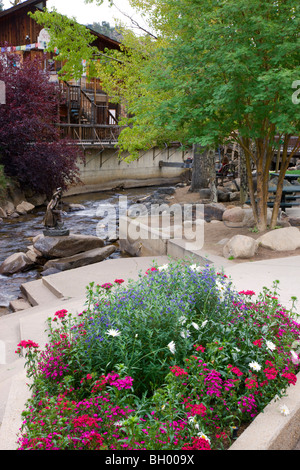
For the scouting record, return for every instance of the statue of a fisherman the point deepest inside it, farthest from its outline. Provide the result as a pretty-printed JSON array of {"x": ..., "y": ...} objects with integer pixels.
[{"x": 53, "y": 217}]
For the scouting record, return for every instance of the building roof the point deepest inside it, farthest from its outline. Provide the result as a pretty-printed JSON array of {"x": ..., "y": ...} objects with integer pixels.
[
  {"x": 39, "y": 4},
  {"x": 28, "y": 3}
]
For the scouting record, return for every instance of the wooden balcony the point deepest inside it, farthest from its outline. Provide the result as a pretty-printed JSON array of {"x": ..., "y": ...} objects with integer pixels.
[{"x": 100, "y": 135}]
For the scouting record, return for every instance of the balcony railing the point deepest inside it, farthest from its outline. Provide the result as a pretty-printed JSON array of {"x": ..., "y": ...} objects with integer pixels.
[{"x": 91, "y": 134}]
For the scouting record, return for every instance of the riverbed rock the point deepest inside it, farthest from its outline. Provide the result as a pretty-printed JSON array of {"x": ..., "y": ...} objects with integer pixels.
[
  {"x": 240, "y": 246},
  {"x": 283, "y": 239},
  {"x": 8, "y": 207},
  {"x": 3, "y": 213},
  {"x": 15, "y": 263},
  {"x": 24, "y": 208},
  {"x": 37, "y": 200},
  {"x": 65, "y": 246},
  {"x": 76, "y": 207},
  {"x": 81, "y": 259}
]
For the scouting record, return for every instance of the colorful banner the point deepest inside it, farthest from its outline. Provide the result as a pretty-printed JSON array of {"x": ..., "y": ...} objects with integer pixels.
[{"x": 28, "y": 47}]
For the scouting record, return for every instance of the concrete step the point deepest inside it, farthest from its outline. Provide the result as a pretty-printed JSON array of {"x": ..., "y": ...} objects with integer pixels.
[{"x": 37, "y": 293}]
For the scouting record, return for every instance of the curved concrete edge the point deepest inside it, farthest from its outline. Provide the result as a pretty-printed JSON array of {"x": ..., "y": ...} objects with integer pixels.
[{"x": 271, "y": 430}]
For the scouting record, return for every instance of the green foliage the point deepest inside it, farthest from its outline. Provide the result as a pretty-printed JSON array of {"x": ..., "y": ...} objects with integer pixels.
[
  {"x": 92, "y": 389},
  {"x": 106, "y": 29},
  {"x": 72, "y": 40}
]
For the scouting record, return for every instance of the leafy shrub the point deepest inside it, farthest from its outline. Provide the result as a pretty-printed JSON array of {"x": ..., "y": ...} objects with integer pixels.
[
  {"x": 175, "y": 360},
  {"x": 31, "y": 148}
]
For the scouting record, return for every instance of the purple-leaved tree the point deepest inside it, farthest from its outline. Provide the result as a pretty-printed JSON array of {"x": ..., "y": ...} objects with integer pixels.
[{"x": 31, "y": 148}]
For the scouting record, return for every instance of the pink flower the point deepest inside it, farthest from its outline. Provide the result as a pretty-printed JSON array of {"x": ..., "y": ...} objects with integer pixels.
[
  {"x": 119, "y": 281},
  {"x": 247, "y": 292},
  {"x": 107, "y": 285},
  {"x": 61, "y": 313},
  {"x": 28, "y": 344},
  {"x": 150, "y": 270}
]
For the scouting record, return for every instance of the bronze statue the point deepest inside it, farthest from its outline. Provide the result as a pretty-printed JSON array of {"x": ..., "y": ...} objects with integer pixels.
[{"x": 53, "y": 217}]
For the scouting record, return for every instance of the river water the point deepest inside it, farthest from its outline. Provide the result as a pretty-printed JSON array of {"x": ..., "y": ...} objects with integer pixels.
[{"x": 16, "y": 234}]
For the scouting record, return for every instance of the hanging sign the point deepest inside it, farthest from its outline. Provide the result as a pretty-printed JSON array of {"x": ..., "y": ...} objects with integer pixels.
[{"x": 44, "y": 37}]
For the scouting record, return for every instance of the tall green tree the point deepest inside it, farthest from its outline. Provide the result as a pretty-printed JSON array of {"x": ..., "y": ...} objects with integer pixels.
[
  {"x": 237, "y": 61},
  {"x": 218, "y": 71}
]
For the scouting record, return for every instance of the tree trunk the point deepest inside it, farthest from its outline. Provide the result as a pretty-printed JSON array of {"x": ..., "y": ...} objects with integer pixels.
[
  {"x": 202, "y": 164},
  {"x": 244, "y": 187}
]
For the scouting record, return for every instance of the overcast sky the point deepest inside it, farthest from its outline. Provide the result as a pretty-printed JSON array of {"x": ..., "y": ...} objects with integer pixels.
[{"x": 89, "y": 13}]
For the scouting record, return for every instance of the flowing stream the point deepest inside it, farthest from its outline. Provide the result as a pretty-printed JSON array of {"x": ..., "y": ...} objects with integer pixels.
[{"x": 16, "y": 234}]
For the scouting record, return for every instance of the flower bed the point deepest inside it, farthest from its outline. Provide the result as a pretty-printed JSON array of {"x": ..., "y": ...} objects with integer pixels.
[{"x": 176, "y": 360}]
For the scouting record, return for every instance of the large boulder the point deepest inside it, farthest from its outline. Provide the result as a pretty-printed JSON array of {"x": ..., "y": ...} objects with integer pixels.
[
  {"x": 69, "y": 245},
  {"x": 240, "y": 246},
  {"x": 82, "y": 259},
  {"x": 16, "y": 263},
  {"x": 213, "y": 211},
  {"x": 249, "y": 221},
  {"x": 24, "y": 207},
  {"x": 283, "y": 239},
  {"x": 235, "y": 214}
]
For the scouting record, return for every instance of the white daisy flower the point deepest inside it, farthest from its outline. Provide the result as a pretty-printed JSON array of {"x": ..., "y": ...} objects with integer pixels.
[
  {"x": 254, "y": 366},
  {"x": 195, "y": 268},
  {"x": 163, "y": 268},
  {"x": 201, "y": 434},
  {"x": 193, "y": 422},
  {"x": 185, "y": 334},
  {"x": 270, "y": 345},
  {"x": 221, "y": 288},
  {"x": 172, "y": 347},
  {"x": 195, "y": 325},
  {"x": 284, "y": 410},
  {"x": 182, "y": 320},
  {"x": 204, "y": 323},
  {"x": 113, "y": 332},
  {"x": 295, "y": 358}
]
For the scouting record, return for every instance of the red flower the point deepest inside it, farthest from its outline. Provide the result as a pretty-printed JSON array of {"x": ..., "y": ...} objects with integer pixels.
[
  {"x": 119, "y": 281},
  {"x": 28, "y": 344},
  {"x": 251, "y": 383},
  {"x": 199, "y": 348},
  {"x": 107, "y": 285},
  {"x": 61, "y": 313},
  {"x": 235, "y": 370},
  {"x": 151, "y": 270},
  {"x": 258, "y": 342},
  {"x": 247, "y": 292},
  {"x": 292, "y": 378},
  {"x": 177, "y": 371},
  {"x": 199, "y": 443},
  {"x": 197, "y": 409}
]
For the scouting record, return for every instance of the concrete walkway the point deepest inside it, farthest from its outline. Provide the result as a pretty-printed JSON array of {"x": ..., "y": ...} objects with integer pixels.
[{"x": 67, "y": 290}]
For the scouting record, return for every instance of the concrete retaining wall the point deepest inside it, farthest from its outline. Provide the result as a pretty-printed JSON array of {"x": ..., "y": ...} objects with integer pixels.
[{"x": 104, "y": 170}]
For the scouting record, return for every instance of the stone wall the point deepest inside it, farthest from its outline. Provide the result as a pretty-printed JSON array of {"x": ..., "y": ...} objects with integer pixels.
[{"x": 104, "y": 170}]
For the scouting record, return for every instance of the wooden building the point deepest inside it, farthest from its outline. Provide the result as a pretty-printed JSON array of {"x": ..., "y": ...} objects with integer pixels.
[{"x": 87, "y": 114}]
